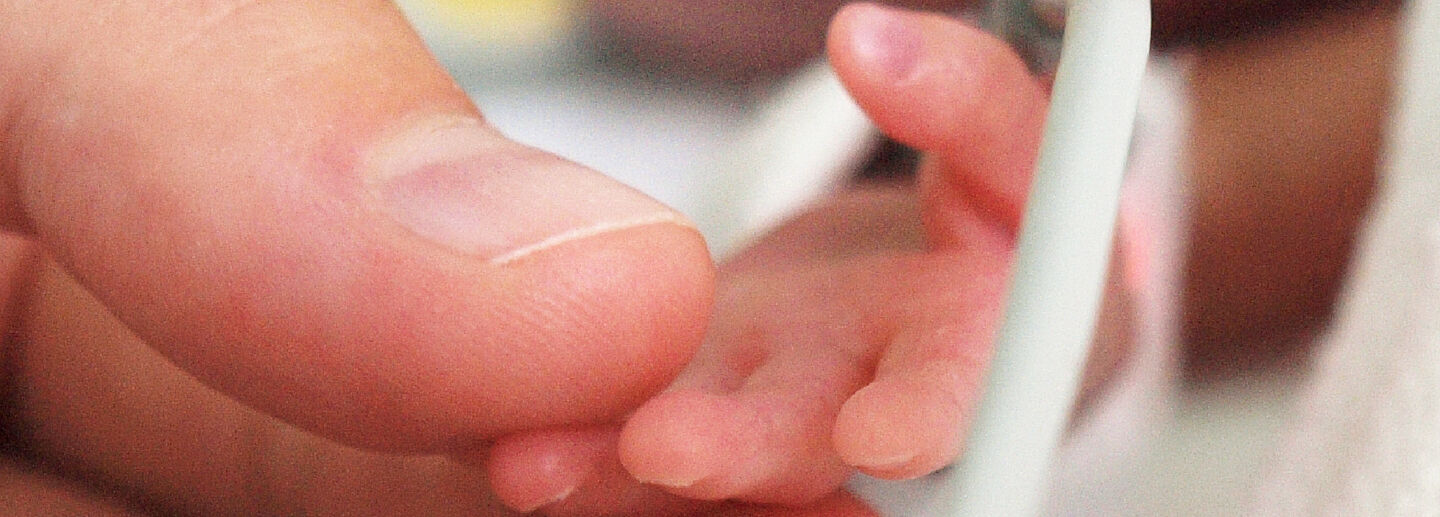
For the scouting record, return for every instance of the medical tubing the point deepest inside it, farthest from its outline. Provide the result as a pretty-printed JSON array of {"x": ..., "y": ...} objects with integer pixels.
[{"x": 1061, "y": 264}]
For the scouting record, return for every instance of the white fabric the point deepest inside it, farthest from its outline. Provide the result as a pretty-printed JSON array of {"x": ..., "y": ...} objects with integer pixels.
[{"x": 1368, "y": 442}]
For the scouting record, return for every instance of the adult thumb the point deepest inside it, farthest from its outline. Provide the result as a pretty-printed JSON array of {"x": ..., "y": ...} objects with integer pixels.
[{"x": 293, "y": 202}]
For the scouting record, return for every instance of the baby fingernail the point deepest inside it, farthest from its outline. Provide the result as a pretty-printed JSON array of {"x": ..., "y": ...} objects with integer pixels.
[
  {"x": 886, "y": 40},
  {"x": 885, "y": 464},
  {"x": 527, "y": 507},
  {"x": 460, "y": 184},
  {"x": 672, "y": 482}
]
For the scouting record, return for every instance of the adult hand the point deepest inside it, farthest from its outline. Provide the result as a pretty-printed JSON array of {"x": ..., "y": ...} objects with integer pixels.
[{"x": 294, "y": 205}]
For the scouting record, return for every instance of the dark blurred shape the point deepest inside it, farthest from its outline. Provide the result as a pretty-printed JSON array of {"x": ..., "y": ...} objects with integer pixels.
[
  {"x": 1287, "y": 129},
  {"x": 891, "y": 161},
  {"x": 730, "y": 40},
  {"x": 1197, "y": 22}
]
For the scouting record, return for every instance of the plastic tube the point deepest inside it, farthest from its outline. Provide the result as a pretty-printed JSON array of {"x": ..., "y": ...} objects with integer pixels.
[{"x": 1059, "y": 274}]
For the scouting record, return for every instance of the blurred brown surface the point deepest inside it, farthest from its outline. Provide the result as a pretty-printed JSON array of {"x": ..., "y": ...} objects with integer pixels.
[
  {"x": 1286, "y": 134},
  {"x": 1179, "y": 22},
  {"x": 734, "y": 40}
]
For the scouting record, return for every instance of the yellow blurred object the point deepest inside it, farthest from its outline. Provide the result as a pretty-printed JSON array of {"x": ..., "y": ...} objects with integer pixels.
[{"x": 493, "y": 21}]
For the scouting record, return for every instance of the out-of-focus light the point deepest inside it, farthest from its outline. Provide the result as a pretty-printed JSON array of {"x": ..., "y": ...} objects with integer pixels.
[{"x": 488, "y": 21}]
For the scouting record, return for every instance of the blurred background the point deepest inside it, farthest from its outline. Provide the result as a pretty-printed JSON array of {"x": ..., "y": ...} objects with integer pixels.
[{"x": 538, "y": 72}]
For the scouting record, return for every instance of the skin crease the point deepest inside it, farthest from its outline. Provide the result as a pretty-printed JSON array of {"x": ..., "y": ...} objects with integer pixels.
[
  {"x": 26, "y": 492},
  {"x": 341, "y": 459}
]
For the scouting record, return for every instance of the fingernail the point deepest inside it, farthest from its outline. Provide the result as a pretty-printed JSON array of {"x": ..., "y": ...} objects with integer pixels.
[
  {"x": 672, "y": 481},
  {"x": 885, "y": 464},
  {"x": 887, "y": 41},
  {"x": 459, "y": 184},
  {"x": 547, "y": 501}
]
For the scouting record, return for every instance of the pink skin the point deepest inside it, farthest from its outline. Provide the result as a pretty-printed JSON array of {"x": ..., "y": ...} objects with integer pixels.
[
  {"x": 837, "y": 347},
  {"x": 101, "y": 406},
  {"x": 228, "y": 250},
  {"x": 245, "y": 220},
  {"x": 218, "y": 300}
]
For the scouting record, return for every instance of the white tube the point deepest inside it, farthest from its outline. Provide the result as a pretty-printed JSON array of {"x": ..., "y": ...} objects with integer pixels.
[{"x": 1059, "y": 273}]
